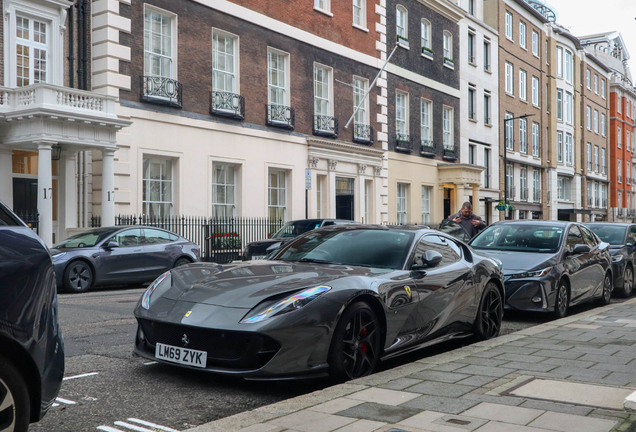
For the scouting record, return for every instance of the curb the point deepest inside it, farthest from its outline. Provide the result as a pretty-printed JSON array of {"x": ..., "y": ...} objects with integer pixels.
[{"x": 268, "y": 412}]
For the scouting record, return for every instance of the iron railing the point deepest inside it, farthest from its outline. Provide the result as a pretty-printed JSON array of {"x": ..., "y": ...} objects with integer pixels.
[
  {"x": 32, "y": 219},
  {"x": 450, "y": 153},
  {"x": 428, "y": 147},
  {"x": 160, "y": 90},
  {"x": 524, "y": 193},
  {"x": 536, "y": 195},
  {"x": 363, "y": 134},
  {"x": 222, "y": 240},
  {"x": 403, "y": 143},
  {"x": 227, "y": 105},
  {"x": 326, "y": 126},
  {"x": 280, "y": 116}
]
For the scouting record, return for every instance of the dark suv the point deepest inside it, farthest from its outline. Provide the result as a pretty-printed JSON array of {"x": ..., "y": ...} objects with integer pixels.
[
  {"x": 260, "y": 249},
  {"x": 31, "y": 344}
]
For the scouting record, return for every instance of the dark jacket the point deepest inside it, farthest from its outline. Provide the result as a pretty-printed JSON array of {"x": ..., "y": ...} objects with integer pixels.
[{"x": 466, "y": 223}]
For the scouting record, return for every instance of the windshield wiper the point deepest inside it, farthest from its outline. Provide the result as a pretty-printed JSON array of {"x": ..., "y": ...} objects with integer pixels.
[{"x": 313, "y": 260}]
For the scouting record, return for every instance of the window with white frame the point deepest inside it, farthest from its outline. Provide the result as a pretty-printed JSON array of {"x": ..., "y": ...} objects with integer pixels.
[
  {"x": 535, "y": 43},
  {"x": 596, "y": 121},
  {"x": 448, "y": 128},
  {"x": 564, "y": 185},
  {"x": 619, "y": 170},
  {"x": 368, "y": 187},
  {"x": 597, "y": 203},
  {"x": 595, "y": 83},
  {"x": 628, "y": 140},
  {"x": 603, "y": 162},
  {"x": 560, "y": 147},
  {"x": 604, "y": 195},
  {"x": 471, "y": 154},
  {"x": 588, "y": 113},
  {"x": 569, "y": 105},
  {"x": 588, "y": 79},
  {"x": 277, "y": 195},
  {"x": 509, "y": 79},
  {"x": 426, "y": 204},
  {"x": 509, "y": 185},
  {"x": 590, "y": 194},
  {"x": 569, "y": 66},
  {"x": 426, "y": 131},
  {"x": 486, "y": 55},
  {"x": 319, "y": 197},
  {"x": 620, "y": 199},
  {"x": 619, "y": 137},
  {"x": 596, "y": 161},
  {"x": 523, "y": 84},
  {"x": 508, "y": 25},
  {"x": 559, "y": 60},
  {"x": 277, "y": 79},
  {"x": 523, "y": 183},
  {"x": 324, "y": 5},
  {"x": 401, "y": 115},
  {"x": 486, "y": 107},
  {"x": 471, "y": 47},
  {"x": 523, "y": 136},
  {"x": 360, "y": 13},
  {"x": 589, "y": 157},
  {"x": 361, "y": 119},
  {"x": 569, "y": 149},
  {"x": 157, "y": 186},
  {"x": 535, "y": 139},
  {"x": 536, "y": 185},
  {"x": 603, "y": 88},
  {"x": 322, "y": 94},
  {"x": 158, "y": 55},
  {"x": 223, "y": 190},
  {"x": 448, "y": 45},
  {"x": 618, "y": 103},
  {"x": 471, "y": 7},
  {"x": 603, "y": 124},
  {"x": 426, "y": 37},
  {"x": 402, "y": 209},
  {"x": 509, "y": 132},
  {"x": 32, "y": 47},
  {"x": 401, "y": 23},
  {"x": 487, "y": 166},
  {"x": 560, "y": 105},
  {"x": 224, "y": 73},
  {"x": 535, "y": 91},
  {"x": 522, "y": 34},
  {"x": 471, "y": 103}
]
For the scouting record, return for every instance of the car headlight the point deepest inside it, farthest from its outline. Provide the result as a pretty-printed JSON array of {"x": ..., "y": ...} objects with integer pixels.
[
  {"x": 617, "y": 258},
  {"x": 531, "y": 274},
  {"x": 289, "y": 304},
  {"x": 57, "y": 256},
  {"x": 165, "y": 281}
]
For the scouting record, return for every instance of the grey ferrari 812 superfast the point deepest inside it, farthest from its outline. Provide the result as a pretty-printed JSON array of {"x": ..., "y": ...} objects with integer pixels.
[{"x": 335, "y": 300}]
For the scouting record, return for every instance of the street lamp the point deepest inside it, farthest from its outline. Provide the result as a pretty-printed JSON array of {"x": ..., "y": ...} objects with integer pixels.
[{"x": 505, "y": 200}]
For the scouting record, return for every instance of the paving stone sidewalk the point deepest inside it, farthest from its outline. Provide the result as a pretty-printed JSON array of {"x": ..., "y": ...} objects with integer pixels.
[{"x": 569, "y": 375}]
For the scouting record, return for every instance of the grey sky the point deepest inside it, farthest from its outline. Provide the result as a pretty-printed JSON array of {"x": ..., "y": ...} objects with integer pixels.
[{"x": 585, "y": 17}]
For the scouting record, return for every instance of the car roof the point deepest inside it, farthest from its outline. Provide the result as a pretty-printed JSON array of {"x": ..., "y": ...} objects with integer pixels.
[
  {"x": 535, "y": 222},
  {"x": 623, "y": 224}
]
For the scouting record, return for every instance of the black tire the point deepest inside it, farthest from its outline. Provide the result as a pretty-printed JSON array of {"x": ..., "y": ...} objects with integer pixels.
[
  {"x": 628, "y": 282},
  {"x": 606, "y": 296},
  {"x": 182, "y": 261},
  {"x": 78, "y": 277},
  {"x": 490, "y": 314},
  {"x": 355, "y": 345},
  {"x": 14, "y": 393},
  {"x": 562, "y": 300}
]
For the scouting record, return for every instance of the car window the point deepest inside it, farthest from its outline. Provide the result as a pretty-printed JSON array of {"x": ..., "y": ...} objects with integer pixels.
[
  {"x": 154, "y": 236},
  {"x": 6, "y": 219},
  {"x": 296, "y": 228},
  {"x": 454, "y": 229},
  {"x": 574, "y": 237},
  {"x": 519, "y": 237},
  {"x": 85, "y": 239},
  {"x": 127, "y": 238},
  {"x": 588, "y": 237},
  {"x": 609, "y": 233},
  {"x": 448, "y": 249},
  {"x": 632, "y": 235},
  {"x": 327, "y": 223}
]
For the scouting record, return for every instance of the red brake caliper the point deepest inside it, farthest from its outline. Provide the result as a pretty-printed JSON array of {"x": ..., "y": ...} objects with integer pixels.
[{"x": 363, "y": 346}]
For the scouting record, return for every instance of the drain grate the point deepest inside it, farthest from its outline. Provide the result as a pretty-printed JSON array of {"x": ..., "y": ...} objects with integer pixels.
[{"x": 458, "y": 422}]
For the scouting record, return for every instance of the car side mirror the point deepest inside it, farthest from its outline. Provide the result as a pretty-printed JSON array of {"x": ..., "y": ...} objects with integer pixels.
[
  {"x": 274, "y": 247},
  {"x": 428, "y": 259},
  {"x": 580, "y": 249},
  {"x": 110, "y": 245},
  {"x": 630, "y": 245}
]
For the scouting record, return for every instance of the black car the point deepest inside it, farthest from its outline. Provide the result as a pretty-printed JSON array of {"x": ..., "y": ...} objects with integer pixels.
[
  {"x": 31, "y": 344},
  {"x": 119, "y": 255},
  {"x": 260, "y": 249},
  {"x": 548, "y": 266},
  {"x": 336, "y": 299},
  {"x": 622, "y": 240}
]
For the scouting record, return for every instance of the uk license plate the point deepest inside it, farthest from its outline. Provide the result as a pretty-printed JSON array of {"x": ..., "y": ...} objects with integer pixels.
[
  {"x": 184, "y": 356},
  {"x": 258, "y": 257}
]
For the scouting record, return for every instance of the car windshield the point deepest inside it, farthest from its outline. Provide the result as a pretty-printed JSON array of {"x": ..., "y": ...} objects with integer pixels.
[
  {"x": 84, "y": 240},
  {"x": 520, "y": 238},
  {"x": 612, "y": 234},
  {"x": 296, "y": 228},
  {"x": 361, "y": 247}
]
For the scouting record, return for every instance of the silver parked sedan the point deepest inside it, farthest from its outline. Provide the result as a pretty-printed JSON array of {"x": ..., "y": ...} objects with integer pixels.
[{"x": 119, "y": 255}]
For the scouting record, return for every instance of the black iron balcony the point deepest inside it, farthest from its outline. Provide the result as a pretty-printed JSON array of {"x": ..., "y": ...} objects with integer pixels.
[
  {"x": 428, "y": 148},
  {"x": 524, "y": 193},
  {"x": 326, "y": 126},
  {"x": 160, "y": 90},
  {"x": 403, "y": 143},
  {"x": 280, "y": 116},
  {"x": 227, "y": 105},
  {"x": 363, "y": 134},
  {"x": 536, "y": 195},
  {"x": 450, "y": 154}
]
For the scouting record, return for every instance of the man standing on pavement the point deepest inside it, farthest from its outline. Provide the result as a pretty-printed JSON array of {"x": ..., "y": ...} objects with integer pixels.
[{"x": 468, "y": 220}]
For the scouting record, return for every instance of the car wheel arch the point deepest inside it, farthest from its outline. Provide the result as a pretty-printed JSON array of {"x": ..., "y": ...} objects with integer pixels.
[
  {"x": 182, "y": 256},
  {"x": 22, "y": 361},
  {"x": 568, "y": 284},
  {"x": 500, "y": 287},
  {"x": 375, "y": 304}
]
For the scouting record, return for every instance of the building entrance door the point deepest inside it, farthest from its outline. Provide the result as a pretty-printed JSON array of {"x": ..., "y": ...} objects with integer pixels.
[
  {"x": 344, "y": 198},
  {"x": 447, "y": 202},
  {"x": 25, "y": 196}
]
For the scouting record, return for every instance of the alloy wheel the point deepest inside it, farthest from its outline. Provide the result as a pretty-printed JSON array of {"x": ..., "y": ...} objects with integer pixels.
[
  {"x": 491, "y": 314},
  {"x": 562, "y": 301},
  {"x": 7, "y": 408},
  {"x": 360, "y": 344},
  {"x": 607, "y": 289},
  {"x": 628, "y": 282},
  {"x": 80, "y": 277}
]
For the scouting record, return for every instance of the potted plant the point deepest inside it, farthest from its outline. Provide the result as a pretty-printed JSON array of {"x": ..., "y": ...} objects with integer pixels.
[
  {"x": 403, "y": 41},
  {"x": 427, "y": 51},
  {"x": 449, "y": 62}
]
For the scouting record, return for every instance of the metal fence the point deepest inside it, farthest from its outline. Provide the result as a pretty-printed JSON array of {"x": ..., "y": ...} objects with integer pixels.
[
  {"x": 222, "y": 240},
  {"x": 32, "y": 219}
]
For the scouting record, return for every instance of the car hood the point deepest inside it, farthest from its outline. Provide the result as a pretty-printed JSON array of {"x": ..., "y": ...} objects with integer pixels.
[
  {"x": 516, "y": 262},
  {"x": 246, "y": 285}
]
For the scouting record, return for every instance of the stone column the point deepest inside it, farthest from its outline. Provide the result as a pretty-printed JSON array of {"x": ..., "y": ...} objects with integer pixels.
[
  {"x": 476, "y": 200},
  {"x": 45, "y": 193},
  {"x": 108, "y": 187},
  {"x": 67, "y": 203},
  {"x": 6, "y": 177},
  {"x": 459, "y": 197}
]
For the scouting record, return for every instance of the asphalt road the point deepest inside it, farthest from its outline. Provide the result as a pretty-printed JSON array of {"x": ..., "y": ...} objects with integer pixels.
[{"x": 99, "y": 329}]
